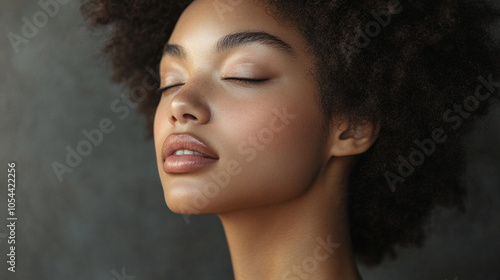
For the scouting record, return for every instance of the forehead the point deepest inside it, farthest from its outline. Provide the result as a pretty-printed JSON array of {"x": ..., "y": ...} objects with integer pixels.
[
  {"x": 206, "y": 21},
  {"x": 229, "y": 14}
]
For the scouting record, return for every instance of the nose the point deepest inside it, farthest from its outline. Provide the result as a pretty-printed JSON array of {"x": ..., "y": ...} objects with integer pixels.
[{"x": 189, "y": 105}]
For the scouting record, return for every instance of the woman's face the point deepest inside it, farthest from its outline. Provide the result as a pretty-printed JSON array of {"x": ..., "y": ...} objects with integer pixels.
[{"x": 239, "y": 125}]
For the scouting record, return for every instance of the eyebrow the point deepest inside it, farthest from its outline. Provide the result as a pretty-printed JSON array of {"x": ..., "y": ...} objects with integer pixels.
[
  {"x": 235, "y": 40},
  {"x": 175, "y": 51}
]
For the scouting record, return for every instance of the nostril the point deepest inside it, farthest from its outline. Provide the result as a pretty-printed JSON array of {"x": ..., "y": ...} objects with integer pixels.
[{"x": 189, "y": 117}]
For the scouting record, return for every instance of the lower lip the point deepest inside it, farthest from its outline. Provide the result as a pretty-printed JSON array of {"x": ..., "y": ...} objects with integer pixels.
[{"x": 185, "y": 164}]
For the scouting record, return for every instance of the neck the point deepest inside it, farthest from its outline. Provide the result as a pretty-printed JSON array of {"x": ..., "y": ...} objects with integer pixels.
[{"x": 303, "y": 238}]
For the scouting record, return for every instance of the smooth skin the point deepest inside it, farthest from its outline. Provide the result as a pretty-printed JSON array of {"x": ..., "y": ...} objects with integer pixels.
[{"x": 279, "y": 183}]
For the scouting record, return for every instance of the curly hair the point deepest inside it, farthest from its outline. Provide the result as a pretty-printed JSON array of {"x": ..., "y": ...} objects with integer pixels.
[{"x": 422, "y": 70}]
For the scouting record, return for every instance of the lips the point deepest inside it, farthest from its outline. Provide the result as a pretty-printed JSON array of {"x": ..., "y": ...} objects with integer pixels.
[{"x": 184, "y": 153}]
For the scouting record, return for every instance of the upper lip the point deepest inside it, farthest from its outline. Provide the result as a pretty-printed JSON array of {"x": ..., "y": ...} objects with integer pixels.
[{"x": 176, "y": 142}]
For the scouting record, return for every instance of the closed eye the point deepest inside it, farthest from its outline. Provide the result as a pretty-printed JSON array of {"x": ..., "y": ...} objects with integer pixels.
[
  {"x": 160, "y": 91},
  {"x": 246, "y": 81}
]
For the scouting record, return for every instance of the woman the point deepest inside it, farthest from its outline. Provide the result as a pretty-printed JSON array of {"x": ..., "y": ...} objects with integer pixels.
[{"x": 318, "y": 132}]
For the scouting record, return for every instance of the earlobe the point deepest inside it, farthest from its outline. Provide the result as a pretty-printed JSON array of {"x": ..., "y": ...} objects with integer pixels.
[{"x": 346, "y": 139}]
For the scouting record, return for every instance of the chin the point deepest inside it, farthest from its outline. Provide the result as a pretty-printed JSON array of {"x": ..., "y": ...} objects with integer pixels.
[{"x": 190, "y": 201}]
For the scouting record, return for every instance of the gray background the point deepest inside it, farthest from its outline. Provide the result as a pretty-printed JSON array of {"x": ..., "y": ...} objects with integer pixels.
[{"x": 109, "y": 213}]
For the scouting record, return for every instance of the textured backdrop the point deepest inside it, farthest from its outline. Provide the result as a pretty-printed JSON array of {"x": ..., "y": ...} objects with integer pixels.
[{"x": 107, "y": 218}]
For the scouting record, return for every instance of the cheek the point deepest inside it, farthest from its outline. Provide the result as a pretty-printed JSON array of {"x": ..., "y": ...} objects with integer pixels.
[
  {"x": 160, "y": 131},
  {"x": 278, "y": 146}
]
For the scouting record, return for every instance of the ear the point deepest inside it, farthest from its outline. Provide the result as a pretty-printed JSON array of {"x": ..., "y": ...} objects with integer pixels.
[{"x": 347, "y": 139}]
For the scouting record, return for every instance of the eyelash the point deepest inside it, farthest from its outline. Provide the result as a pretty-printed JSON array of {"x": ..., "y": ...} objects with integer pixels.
[
  {"x": 160, "y": 91},
  {"x": 238, "y": 80},
  {"x": 246, "y": 81}
]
